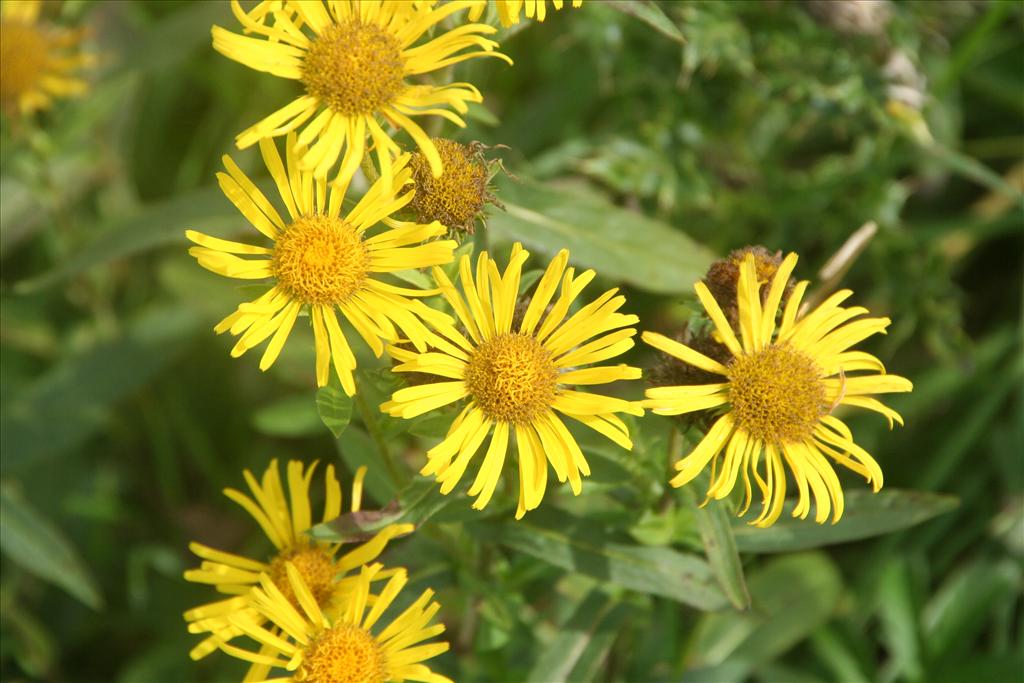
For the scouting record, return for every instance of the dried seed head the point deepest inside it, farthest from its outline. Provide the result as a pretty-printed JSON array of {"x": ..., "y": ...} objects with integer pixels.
[
  {"x": 459, "y": 194},
  {"x": 724, "y": 274}
]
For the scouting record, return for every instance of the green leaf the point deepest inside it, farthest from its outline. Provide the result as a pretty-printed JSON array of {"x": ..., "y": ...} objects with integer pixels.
[
  {"x": 357, "y": 450},
  {"x": 289, "y": 416},
  {"x": 619, "y": 244},
  {"x": 867, "y": 514},
  {"x": 716, "y": 533},
  {"x": 335, "y": 408},
  {"x": 154, "y": 225},
  {"x": 649, "y": 13},
  {"x": 73, "y": 400},
  {"x": 34, "y": 543},
  {"x": 582, "y": 642},
  {"x": 579, "y": 546},
  {"x": 791, "y": 597}
]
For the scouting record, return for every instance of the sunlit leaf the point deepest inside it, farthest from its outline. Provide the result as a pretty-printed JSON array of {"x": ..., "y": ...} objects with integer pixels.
[
  {"x": 867, "y": 514},
  {"x": 619, "y": 244}
]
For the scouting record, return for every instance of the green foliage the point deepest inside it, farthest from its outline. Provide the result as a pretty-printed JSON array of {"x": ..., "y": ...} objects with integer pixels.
[{"x": 645, "y": 137}]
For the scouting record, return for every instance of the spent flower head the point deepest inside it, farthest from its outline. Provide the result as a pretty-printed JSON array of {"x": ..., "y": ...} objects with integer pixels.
[{"x": 457, "y": 197}]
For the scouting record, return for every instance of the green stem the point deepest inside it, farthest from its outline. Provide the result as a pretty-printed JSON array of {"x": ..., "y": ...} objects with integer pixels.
[{"x": 370, "y": 422}]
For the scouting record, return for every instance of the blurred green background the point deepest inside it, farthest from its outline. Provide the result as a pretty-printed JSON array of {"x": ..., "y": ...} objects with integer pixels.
[{"x": 646, "y": 136}]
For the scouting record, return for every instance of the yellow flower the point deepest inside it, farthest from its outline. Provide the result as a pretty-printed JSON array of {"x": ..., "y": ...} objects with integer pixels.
[
  {"x": 285, "y": 525},
  {"x": 509, "y": 11},
  {"x": 323, "y": 262},
  {"x": 780, "y": 388},
  {"x": 514, "y": 369},
  {"x": 37, "y": 61},
  {"x": 353, "y": 58},
  {"x": 349, "y": 646}
]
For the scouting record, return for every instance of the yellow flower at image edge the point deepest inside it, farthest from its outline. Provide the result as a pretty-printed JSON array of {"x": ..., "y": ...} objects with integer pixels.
[
  {"x": 514, "y": 368},
  {"x": 324, "y": 262},
  {"x": 37, "y": 61},
  {"x": 509, "y": 11},
  {"x": 779, "y": 391},
  {"x": 285, "y": 525},
  {"x": 353, "y": 58},
  {"x": 349, "y": 647}
]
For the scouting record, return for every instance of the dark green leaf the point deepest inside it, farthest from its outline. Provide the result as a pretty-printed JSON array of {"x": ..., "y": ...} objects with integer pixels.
[
  {"x": 73, "y": 400},
  {"x": 791, "y": 596},
  {"x": 582, "y": 642},
  {"x": 649, "y": 13},
  {"x": 357, "y": 450},
  {"x": 619, "y": 244},
  {"x": 576, "y": 545},
  {"x": 867, "y": 514},
  {"x": 716, "y": 533},
  {"x": 33, "y": 542},
  {"x": 335, "y": 408}
]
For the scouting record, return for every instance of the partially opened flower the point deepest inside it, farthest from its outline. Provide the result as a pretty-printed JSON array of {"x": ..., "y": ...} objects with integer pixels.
[
  {"x": 509, "y": 11},
  {"x": 322, "y": 262},
  {"x": 353, "y": 58},
  {"x": 777, "y": 395},
  {"x": 284, "y": 522},
  {"x": 514, "y": 370},
  {"x": 38, "y": 61},
  {"x": 359, "y": 644}
]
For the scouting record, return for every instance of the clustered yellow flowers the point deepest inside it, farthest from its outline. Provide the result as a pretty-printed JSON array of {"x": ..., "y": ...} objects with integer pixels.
[{"x": 515, "y": 360}]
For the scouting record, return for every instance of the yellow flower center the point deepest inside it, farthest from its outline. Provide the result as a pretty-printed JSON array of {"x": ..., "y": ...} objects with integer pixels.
[
  {"x": 512, "y": 378},
  {"x": 343, "y": 654},
  {"x": 316, "y": 567},
  {"x": 23, "y": 55},
  {"x": 776, "y": 394},
  {"x": 455, "y": 198},
  {"x": 320, "y": 260},
  {"x": 355, "y": 68}
]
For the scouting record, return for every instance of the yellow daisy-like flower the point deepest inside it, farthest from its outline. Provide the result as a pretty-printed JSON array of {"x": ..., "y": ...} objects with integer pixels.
[
  {"x": 349, "y": 647},
  {"x": 515, "y": 368},
  {"x": 779, "y": 390},
  {"x": 509, "y": 11},
  {"x": 37, "y": 61},
  {"x": 324, "y": 262},
  {"x": 285, "y": 525},
  {"x": 353, "y": 58}
]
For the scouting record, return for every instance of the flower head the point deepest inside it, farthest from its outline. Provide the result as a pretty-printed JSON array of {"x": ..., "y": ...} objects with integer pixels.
[
  {"x": 349, "y": 646},
  {"x": 509, "y": 11},
  {"x": 324, "y": 262},
  {"x": 456, "y": 197},
  {"x": 284, "y": 523},
  {"x": 515, "y": 370},
  {"x": 353, "y": 59},
  {"x": 37, "y": 61},
  {"x": 777, "y": 394}
]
